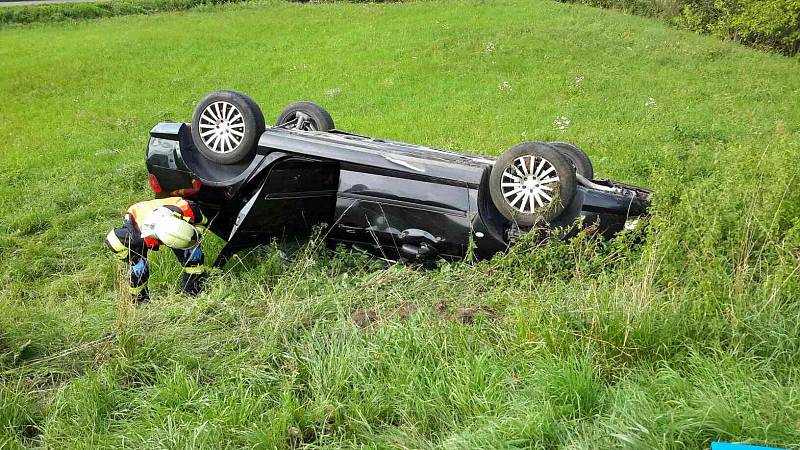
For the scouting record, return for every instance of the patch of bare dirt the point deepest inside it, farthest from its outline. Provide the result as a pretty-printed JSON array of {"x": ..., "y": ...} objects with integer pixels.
[
  {"x": 406, "y": 310},
  {"x": 442, "y": 309},
  {"x": 366, "y": 316},
  {"x": 471, "y": 314},
  {"x": 466, "y": 315}
]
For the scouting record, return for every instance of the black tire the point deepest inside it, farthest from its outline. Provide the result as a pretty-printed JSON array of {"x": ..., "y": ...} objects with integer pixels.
[
  {"x": 579, "y": 158},
  {"x": 508, "y": 170},
  {"x": 318, "y": 119},
  {"x": 217, "y": 138}
]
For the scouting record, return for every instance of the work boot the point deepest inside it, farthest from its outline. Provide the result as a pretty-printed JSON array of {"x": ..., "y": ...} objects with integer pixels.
[
  {"x": 140, "y": 295},
  {"x": 193, "y": 284}
]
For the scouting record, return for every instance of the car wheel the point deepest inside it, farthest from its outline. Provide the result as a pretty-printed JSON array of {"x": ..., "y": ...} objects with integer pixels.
[
  {"x": 226, "y": 126},
  {"x": 305, "y": 116},
  {"x": 579, "y": 158},
  {"x": 532, "y": 183}
]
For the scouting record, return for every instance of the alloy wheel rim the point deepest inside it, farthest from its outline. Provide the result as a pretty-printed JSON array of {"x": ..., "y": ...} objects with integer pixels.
[
  {"x": 222, "y": 127},
  {"x": 529, "y": 184}
]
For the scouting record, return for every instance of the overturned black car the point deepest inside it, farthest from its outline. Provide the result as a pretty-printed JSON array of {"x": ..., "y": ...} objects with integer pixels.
[{"x": 398, "y": 201}]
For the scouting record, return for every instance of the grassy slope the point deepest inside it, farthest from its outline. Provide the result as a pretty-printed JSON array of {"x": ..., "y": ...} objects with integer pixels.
[{"x": 691, "y": 338}]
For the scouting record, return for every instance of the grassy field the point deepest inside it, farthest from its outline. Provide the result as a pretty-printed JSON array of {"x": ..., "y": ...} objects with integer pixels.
[{"x": 691, "y": 337}]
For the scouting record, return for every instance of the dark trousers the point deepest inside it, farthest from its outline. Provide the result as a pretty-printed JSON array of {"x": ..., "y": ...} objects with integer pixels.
[{"x": 127, "y": 244}]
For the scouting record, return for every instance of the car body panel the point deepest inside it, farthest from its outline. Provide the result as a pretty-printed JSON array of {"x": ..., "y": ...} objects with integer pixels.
[{"x": 370, "y": 155}]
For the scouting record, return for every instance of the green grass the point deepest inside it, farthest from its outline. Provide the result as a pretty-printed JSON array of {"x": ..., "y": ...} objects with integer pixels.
[
  {"x": 691, "y": 337},
  {"x": 60, "y": 12}
]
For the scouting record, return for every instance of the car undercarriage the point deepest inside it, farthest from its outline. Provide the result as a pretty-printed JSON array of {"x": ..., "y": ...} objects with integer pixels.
[{"x": 398, "y": 201}]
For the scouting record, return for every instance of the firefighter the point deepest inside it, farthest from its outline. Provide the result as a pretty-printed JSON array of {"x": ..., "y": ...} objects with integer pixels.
[{"x": 174, "y": 222}]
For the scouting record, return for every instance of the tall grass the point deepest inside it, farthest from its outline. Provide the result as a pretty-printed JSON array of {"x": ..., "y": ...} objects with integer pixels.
[{"x": 673, "y": 339}]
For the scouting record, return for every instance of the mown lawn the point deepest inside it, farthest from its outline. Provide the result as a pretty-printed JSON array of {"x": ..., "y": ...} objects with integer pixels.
[{"x": 690, "y": 337}]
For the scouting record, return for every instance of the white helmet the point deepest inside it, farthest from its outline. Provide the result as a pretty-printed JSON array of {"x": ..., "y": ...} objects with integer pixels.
[{"x": 171, "y": 230}]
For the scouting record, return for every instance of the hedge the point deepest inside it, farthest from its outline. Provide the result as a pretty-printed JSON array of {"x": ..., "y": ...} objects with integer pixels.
[{"x": 763, "y": 23}]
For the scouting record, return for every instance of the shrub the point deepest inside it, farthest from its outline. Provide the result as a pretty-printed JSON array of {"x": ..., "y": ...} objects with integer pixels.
[{"x": 762, "y": 23}]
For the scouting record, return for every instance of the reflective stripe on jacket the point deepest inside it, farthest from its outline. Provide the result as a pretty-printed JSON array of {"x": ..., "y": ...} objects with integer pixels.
[{"x": 138, "y": 213}]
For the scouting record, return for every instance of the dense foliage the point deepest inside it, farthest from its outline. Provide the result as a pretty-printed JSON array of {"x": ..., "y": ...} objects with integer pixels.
[
  {"x": 766, "y": 23},
  {"x": 687, "y": 336}
]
